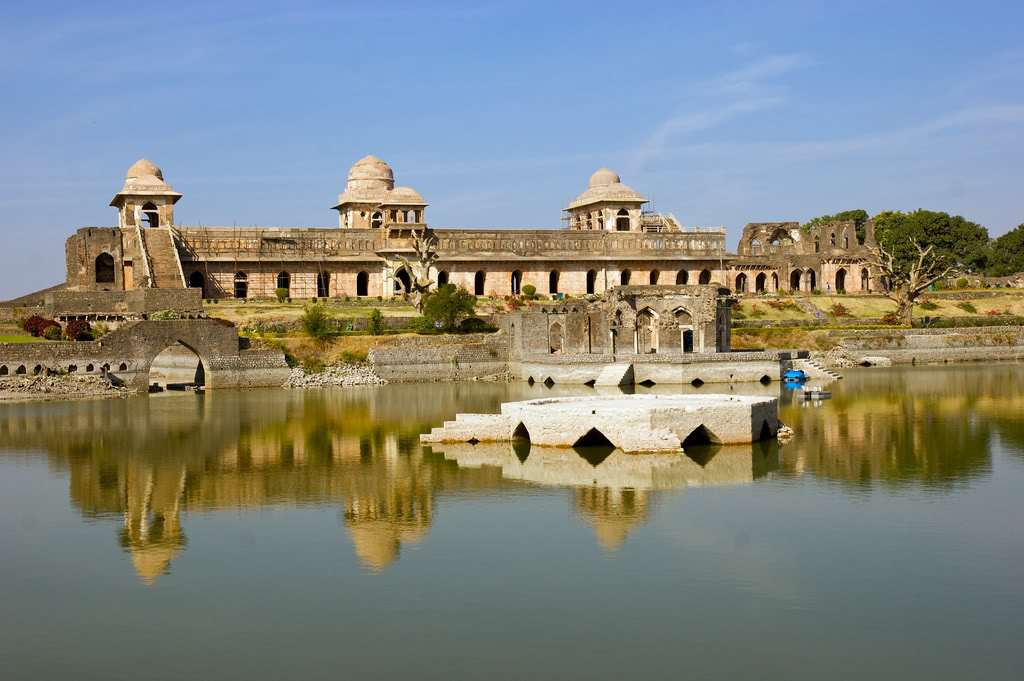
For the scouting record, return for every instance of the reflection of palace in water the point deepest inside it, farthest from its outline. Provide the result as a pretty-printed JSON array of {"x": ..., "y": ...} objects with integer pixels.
[{"x": 146, "y": 462}]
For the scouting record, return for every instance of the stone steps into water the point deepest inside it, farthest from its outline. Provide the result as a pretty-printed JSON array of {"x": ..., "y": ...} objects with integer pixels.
[{"x": 615, "y": 374}]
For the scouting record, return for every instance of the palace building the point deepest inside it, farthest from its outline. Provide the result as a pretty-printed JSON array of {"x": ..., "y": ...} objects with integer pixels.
[{"x": 609, "y": 237}]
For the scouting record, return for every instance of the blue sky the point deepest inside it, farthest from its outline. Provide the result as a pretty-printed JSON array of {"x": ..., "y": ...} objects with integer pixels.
[{"x": 498, "y": 112}]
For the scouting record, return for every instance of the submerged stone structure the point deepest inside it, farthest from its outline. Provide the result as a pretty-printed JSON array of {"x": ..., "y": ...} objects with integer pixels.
[{"x": 632, "y": 423}]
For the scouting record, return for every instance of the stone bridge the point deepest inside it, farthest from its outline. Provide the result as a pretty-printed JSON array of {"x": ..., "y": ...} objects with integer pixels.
[{"x": 128, "y": 353}]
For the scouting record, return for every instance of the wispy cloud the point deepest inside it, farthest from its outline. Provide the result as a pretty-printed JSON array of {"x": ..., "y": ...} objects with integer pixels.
[{"x": 710, "y": 103}]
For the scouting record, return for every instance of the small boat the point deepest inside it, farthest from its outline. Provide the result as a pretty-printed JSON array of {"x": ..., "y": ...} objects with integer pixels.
[{"x": 794, "y": 376}]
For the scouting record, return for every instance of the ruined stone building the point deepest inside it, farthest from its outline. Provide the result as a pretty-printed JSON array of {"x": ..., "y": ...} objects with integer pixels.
[
  {"x": 610, "y": 239},
  {"x": 773, "y": 256}
]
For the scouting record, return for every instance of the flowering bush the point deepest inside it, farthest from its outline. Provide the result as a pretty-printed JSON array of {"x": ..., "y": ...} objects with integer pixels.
[
  {"x": 78, "y": 330},
  {"x": 36, "y": 325},
  {"x": 890, "y": 319},
  {"x": 782, "y": 304},
  {"x": 839, "y": 310},
  {"x": 997, "y": 313}
]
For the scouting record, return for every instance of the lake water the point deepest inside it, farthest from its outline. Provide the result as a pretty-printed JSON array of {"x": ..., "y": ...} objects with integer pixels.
[{"x": 308, "y": 535}]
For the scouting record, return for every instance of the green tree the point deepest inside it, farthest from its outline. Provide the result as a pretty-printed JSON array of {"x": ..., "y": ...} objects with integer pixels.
[
  {"x": 1007, "y": 254},
  {"x": 376, "y": 322},
  {"x": 281, "y": 294},
  {"x": 316, "y": 322},
  {"x": 858, "y": 215},
  {"x": 448, "y": 305},
  {"x": 964, "y": 245}
]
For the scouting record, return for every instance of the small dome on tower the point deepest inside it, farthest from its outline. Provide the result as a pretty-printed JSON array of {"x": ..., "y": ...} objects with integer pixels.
[
  {"x": 604, "y": 176},
  {"x": 371, "y": 168},
  {"x": 143, "y": 168}
]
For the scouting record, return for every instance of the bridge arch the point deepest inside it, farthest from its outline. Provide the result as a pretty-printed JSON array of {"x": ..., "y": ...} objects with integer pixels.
[{"x": 176, "y": 363}]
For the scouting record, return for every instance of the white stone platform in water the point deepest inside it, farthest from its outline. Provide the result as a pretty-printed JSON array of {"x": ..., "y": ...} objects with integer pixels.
[{"x": 632, "y": 423}]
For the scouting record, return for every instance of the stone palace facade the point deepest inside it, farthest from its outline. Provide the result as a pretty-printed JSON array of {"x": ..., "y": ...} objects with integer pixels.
[{"x": 609, "y": 238}]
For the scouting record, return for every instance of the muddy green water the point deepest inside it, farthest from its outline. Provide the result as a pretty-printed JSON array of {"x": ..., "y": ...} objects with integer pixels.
[{"x": 307, "y": 535}]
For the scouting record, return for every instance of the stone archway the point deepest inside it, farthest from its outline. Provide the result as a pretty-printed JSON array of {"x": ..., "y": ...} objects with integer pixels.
[
  {"x": 555, "y": 337},
  {"x": 841, "y": 280},
  {"x": 178, "y": 366},
  {"x": 794, "y": 280},
  {"x": 647, "y": 332},
  {"x": 759, "y": 282}
]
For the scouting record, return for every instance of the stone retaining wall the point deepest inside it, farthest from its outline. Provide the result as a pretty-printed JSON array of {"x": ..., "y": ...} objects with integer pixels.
[
  {"x": 431, "y": 358},
  {"x": 909, "y": 346}
]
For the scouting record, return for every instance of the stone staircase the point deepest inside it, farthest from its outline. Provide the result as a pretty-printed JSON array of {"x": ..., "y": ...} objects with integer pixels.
[
  {"x": 163, "y": 258},
  {"x": 815, "y": 369},
  {"x": 615, "y": 374}
]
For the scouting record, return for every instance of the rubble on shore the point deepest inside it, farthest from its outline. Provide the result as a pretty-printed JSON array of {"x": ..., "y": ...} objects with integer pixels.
[
  {"x": 59, "y": 387},
  {"x": 335, "y": 376}
]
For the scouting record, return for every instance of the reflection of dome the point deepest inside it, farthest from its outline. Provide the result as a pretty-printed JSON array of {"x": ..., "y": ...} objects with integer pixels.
[
  {"x": 371, "y": 169},
  {"x": 144, "y": 168},
  {"x": 377, "y": 542},
  {"x": 153, "y": 562},
  {"x": 604, "y": 176}
]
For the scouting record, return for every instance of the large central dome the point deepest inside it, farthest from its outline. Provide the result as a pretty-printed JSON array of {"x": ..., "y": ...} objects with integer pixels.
[
  {"x": 604, "y": 176},
  {"x": 371, "y": 171}
]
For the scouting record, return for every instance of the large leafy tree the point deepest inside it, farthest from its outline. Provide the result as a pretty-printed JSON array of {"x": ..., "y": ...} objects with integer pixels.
[
  {"x": 1007, "y": 255},
  {"x": 448, "y": 305},
  {"x": 859, "y": 215},
  {"x": 908, "y": 278},
  {"x": 963, "y": 245}
]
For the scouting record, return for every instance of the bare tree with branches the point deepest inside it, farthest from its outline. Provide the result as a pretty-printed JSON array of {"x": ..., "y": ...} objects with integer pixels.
[
  {"x": 907, "y": 279},
  {"x": 424, "y": 244}
]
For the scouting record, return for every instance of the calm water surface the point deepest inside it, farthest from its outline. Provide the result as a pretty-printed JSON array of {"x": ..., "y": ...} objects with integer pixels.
[{"x": 307, "y": 535}]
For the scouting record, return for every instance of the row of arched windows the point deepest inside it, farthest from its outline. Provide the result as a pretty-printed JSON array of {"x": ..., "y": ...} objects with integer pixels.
[{"x": 403, "y": 281}]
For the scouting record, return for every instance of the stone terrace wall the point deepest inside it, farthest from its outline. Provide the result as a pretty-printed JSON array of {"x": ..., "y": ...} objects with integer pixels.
[
  {"x": 433, "y": 358},
  {"x": 135, "y": 303},
  {"x": 935, "y": 345}
]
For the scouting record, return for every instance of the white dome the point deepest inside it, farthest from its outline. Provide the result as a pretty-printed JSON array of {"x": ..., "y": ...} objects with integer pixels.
[{"x": 604, "y": 176}]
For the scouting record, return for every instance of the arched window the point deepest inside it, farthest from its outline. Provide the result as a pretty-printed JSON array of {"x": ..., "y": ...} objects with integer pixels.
[
  {"x": 517, "y": 282},
  {"x": 832, "y": 239},
  {"x": 846, "y": 242},
  {"x": 600, "y": 221},
  {"x": 377, "y": 220},
  {"x": 479, "y": 280},
  {"x": 3, "y": 370},
  {"x": 284, "y": 280},
  {"x": 553, "y": 281},
  {"x": 755, "y": 247},
  {"x": 442, "y": 278},
  {"x": 705, "y": 277},
  {"x": 817, "y": 245},
  {"x": 403, "y": 283},
  {"x": 122, "y": 367},
  {"x": 197, "y": 280},
  {"x": 150, "y": 216},
  {"x": 323, "y": 284},
  {"x": 682, "y": 276},
  {"x": 655, "y": 275},
  {"x": 104, "y": 268},
  {"x": 624, "y": 277},
  {"x": 622, "y": 221},
  {"x": 241, "y": 285},
  {"x": 591, "y": 281},
  {"x": 362, "y": 284},
  {"x": 590, "y": 221},
  {"x": 775, "y": 281},
  {"x": 741, "y": 283}
]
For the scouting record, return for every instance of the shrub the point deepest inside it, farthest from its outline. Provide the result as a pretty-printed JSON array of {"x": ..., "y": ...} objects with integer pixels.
[
  {"x": 928, "y": 305},
  {"x": 967, "y": 306},
  {"x": 940, "y": 285},
  {"x": 737, "y": 311},
  {"x": 353, "y": 357},
  {"x": 281, "y": 293},
  {"x": 530, "y": 291},
  {"x": 475, "y": 325},
  {"x": 421, "y": 325},
  {"x": 839, "y": 310},
  {"x": 165, "y": 315},
  {"x": 313, "y": 300},
  {"x": 312, "y": 365},
  {"x": 997, "y": 313},
  {"x": 380, "y": 298},
  {"x": 316, "y": 322},
  {"x": 756, "y": 312},
  {"x": 216, "y": 301},
  {"x": 36, "y": 325},
  {"x": 376, "y": 322},
  {"x": 448, "y": 305},
  {"x": 816, "y": 292},
  {"x": 962, "y": 282},
  {"x": 78, "y": 330},
  {"x": 890, "y": 319},
  {"x": 841, "y": 292},
  {"x": 53, "y": 332}
]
